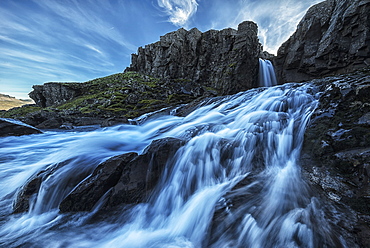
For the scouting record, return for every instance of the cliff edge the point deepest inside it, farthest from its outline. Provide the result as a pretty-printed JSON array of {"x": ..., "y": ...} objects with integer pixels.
[
  {"x": 332, "y": 38},
  {"x": 225, "y": 60}
]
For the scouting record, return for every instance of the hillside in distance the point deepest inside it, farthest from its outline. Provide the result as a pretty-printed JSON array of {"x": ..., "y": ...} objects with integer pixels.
[{"x": 7, "y": 102}]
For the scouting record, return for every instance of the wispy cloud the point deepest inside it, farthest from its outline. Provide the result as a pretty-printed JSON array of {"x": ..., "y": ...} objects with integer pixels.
[
  {"x": 94, "y": 48},
  {"x": 276, "y": 20},
  {"x": 51, "y": 40},
  {"x": 70, "y": 40},
  {"x": 89, "y": 17},
  {"x": 179, "y": 11}
]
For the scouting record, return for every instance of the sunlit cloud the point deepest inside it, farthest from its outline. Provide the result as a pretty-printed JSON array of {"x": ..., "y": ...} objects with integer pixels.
[
  {"x": 94, "y": 49},
  {"x": 179, "y": 11},
  {"x": 69, "y": 40},
  {"x": 276, "y": 20}
]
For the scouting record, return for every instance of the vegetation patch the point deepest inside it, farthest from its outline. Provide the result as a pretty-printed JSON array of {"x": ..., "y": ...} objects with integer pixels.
[{"x": 19, "y": 112}]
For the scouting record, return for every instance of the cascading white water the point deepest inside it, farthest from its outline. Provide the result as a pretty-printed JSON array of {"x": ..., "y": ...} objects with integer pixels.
[
  {"x": 235, "y": 183},
  {"x": 266, "y": 75}
]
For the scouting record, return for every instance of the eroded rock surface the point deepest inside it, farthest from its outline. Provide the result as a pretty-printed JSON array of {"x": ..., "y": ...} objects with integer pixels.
[
  {"x": 53, "y": 94},
  {"x": 225, "y": 60},
  {"x": 336, "y": 151},
  {"x": 332, "y": 38}
]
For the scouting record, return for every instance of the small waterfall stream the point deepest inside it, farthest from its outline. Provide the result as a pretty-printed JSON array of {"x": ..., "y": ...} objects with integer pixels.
[
  {"x": 235, "y": 183},
  {"x": 266, "y": 76}
]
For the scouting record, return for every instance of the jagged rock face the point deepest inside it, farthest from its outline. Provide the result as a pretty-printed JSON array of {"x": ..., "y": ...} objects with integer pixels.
[
  {"x": 332, "y": 38},
  {"x": 52, "y": 94},
  {"x": 336, "y": 151},
  {"x": 226, "y": 60}
]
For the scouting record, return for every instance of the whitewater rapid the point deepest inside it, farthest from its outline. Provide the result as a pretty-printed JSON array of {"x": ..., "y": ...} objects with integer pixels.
[{"x": 235, "y": 183}]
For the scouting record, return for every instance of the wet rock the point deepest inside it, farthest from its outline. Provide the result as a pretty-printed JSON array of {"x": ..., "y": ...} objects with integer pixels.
[
  {"x": 225, "y": 60},
  {"x": 53, "y": 191},
  {"x": 336, "y": 151},
  {"x": 10, "y": 127},
  {"x": 104, "y": 177},
  {"x": 26, "y": 194},
  {"x": 124, "y": 179},
  {"x": 114, "y": 121},
  {"x": 332, "y": 38}
]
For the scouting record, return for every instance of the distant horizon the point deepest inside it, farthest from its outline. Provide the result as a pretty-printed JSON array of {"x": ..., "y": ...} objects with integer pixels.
[{"x": 77, "y": 41}]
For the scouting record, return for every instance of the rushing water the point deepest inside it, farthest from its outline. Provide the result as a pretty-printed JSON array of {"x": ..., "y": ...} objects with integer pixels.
[
  {"x": 235, "y": 183},
  {"x": 266, "y": 75}
]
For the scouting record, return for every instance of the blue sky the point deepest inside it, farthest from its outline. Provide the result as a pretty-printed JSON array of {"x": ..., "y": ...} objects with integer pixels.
[{"x": 78, "y": 40}]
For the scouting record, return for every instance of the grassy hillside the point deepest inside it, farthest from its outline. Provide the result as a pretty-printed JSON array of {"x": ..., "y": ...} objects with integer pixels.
[
  {"x": 126, "y": 95},
  {"x": 8, "y": 102}
]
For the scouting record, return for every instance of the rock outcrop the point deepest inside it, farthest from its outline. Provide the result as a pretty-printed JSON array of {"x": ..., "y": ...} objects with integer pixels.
[
  {"x": 336, "y": 151},
  {"x": 10, "y": 127},
  {"x": 332, "y": 38},
  {"x": 225, "y": 60},
  {"x": 105, "y": 101},
  {"x": 50, "y": 94},
  {"x": 124, "y": 179}
]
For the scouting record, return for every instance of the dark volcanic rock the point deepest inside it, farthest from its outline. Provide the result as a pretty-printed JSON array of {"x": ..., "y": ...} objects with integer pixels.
[
  {"x": 53, "y": 191},
  {"x": 124, "y": 179},
  {"x": 332, "y": 38},
  {"x": 336, "y": 151},
  {"x": 225, "y": 60},
  {"x": 51, "y": 94},
  {"x": 104, "y": 177},
  {"x": 10, "y": 127}
]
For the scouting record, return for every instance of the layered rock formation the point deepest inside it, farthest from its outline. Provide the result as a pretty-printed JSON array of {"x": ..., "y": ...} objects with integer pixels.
[
  {"x": 225, "y": 60},
  {"x": 51, "y": 94},
  {"x": 332, "y": 38}
]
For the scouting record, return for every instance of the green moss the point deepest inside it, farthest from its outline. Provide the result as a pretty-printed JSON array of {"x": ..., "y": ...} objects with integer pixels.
[
  {"x": 179, "y": 99},
  {"x": 19, "y": 112},
  {"x": 150, "y": 101},
  {"x": 86, "y": 110}
]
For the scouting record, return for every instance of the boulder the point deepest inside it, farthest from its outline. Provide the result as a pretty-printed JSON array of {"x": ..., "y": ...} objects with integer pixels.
[
  {"x": 124, "y": 179},
  {"x": 11, "y": 127},
  {"x": 332, "y": 38},
  {"x": 225, "y": 60},
  {"x": 54, "y": 191},
  {"x": 104, "y": 177}
]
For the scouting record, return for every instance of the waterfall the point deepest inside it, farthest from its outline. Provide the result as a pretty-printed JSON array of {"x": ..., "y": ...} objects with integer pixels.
[
  {"x": 266, "y": 76},
  {"x": 235, "y": 183}
]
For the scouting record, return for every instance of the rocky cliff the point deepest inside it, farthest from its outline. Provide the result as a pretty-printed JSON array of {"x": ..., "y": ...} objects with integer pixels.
[
  {"x": 332, "y": 38},
  {"x": 50, "y": 94},
  {"x": 225, "y": 60}
]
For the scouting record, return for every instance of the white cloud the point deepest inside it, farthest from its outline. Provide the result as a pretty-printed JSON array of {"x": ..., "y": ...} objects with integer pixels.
[
  {"x": 179, "y": 11},
  {"x": 94, "y": 48},
  {"x": 276, "y": 20},
  {"x": 88, "y": 18}
]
